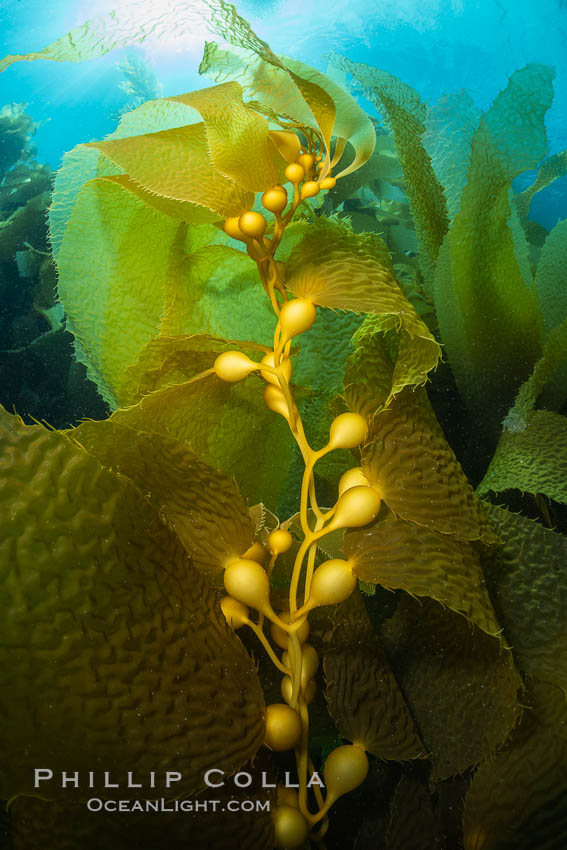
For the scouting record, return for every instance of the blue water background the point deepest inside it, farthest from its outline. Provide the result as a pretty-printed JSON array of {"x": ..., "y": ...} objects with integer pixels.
[{"x": 436, "y": 47}]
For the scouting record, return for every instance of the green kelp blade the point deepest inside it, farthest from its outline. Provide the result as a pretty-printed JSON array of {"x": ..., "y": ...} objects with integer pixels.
[
  {"x": 170, "y": 360},
  {"x": 533, "y": 460},
  {"x": 295, "y": 91},
  {"x": 274, "y": 89},
  {"x": 202, "y": 506},
  {"x": 129, "y": 273},
  {"x": 362, "y": 694},
  {"x": 551, "y": 277},
  {"x": 487, "y": 312},
  {"x": 369, "y": 371},
  {"x": 351, "y": 124},
  {"x": 181, "y": 210},
  {"x": 113, "y": 646},
  {"x": 405, "y": 114},
  {"x": 528, "y": 585},
  {"x": 517, "y": 797},
  {"x": 551, "y": 292},
  {"x": 176, "y": 164},
  {"x": 337, "y": 268},
  {"x": 414, "y": 469},
  {"x": 449, "y": 128},
  {"x": 238, "y": 140},
  {"x": 460, "y": 685},
  {"x": 399, "y": 555},
  {"x": 84, "y": 163},
  {"x": 112, "y": 277},
  {"x": 135, "y": 23},
  {"x": 218, "y": 421}
]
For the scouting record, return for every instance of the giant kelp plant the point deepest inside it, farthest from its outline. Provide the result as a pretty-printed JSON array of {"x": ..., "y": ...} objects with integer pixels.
[{"x": 248, "y": 345}]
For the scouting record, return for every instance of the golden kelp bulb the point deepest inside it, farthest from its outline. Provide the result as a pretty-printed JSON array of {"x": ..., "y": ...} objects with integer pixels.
[
  {"x": 280, "y": 636},
  {"x": 275, "y": 400},
  {"x": 309, "y": 690},
  {"x": 256, "y": 552},
  {"x": 354, "y": 477},
  {"x": 252, "y": 224},
  {"x": 306, "y": 161},
  {"x": 248, "y": 582},
  {"x": 296, "y": 317},
  {"x": 283, "y": 727},
  {"x": 309, "y": 663},
  {"x": 285, "y": 366},
  {"x": 328, "y": 183},
  {"x": 294, "y": 173},
  {"x": 333, "y": 582},
  {"x": 345, "y": 769},
  {"x": 279, "y": 541},
  {"x": 236, "y": 614},
  {"x": 231, "y": 228},
  {"x": 347, "y": 431},
  {"x": 310, "y": 189},
  {"x": 275, "y": 199},
  {"x": 287, "y": 796},
  {"x": 356, "y": 507},
  {"x": 290, "y": 828},
  {"x": 233, "y": 366}
]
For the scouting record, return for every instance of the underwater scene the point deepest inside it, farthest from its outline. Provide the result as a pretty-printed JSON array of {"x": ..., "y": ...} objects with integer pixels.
[{"x": 283, "y": 425}]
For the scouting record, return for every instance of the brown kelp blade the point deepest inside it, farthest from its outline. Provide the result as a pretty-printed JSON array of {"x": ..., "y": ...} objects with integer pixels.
[
  {"x": 460, "y": 685},
  {"x": 363, "y": 696},
  {"x": 113, "y": 646}
]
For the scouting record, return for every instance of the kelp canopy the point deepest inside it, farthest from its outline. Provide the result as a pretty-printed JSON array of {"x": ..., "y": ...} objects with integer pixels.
[{"x": 451, "y": 665}]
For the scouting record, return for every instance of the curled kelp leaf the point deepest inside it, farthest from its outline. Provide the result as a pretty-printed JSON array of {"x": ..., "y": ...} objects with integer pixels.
[
  {"x": 532, "y": 460},
  {"x": 547, "y": 378},
  {"x": 517, "y": 797},
  {"x": 550, "y": 169},
  {"x": 336, "y": 268},
  {"x": 528, "y": 585},
  {"x": 295, "y": 92},
  {"x": 411, "y": 464},
  {"x": 200, "y": 504},
  {"x": 461, "y": 687},
  {"x": 363, "y": 696},
  {"x": 369, "y": 371},
  {"x": 114, "y": 647},
  {"x": 400, "y": 555}
]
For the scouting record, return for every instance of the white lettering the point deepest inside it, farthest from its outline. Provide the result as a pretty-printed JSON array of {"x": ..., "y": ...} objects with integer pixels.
[
  {"x": 107, "y": 782},
  {"x": 172, "y": 776},
  {"x": 245, "y": 782},
  {"x": 315, "y": 780},
  {"x": 70, "y": 779},
  {"x": 41, "y": 775},
  {"x": 209, "y": 774},
  {"x": 131, "y": 783}
]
